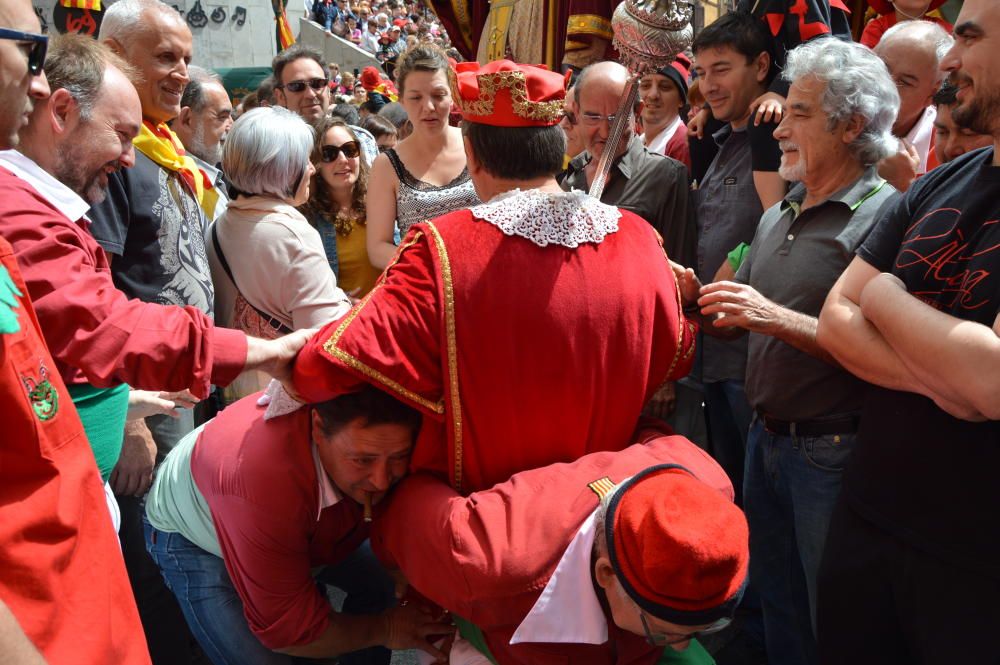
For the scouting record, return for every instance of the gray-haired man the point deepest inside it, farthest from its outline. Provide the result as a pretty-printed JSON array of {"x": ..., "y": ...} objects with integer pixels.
[
  {"x": 839, "y": 112},
  {"x": 204, "y": 121}
]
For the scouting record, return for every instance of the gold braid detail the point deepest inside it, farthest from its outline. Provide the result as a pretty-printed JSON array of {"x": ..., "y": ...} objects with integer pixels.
[
  {"x": 452, "y": 352},
  {"x": 491, "y": 84},
  {"x": 331, "y": 344}
]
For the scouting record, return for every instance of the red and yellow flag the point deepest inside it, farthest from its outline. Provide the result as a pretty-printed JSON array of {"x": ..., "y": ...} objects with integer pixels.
[
  {"x": 284, "y": 34},
  {"x": 94, "y": 5}
]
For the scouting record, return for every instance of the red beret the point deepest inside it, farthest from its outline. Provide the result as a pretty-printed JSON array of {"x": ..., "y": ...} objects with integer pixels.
[
  {"x": 370, "y": 78},
  {"x": 679, "y": 547},
  {"x": 884, "y": 7},
  {"x": 505, "y": 94}
]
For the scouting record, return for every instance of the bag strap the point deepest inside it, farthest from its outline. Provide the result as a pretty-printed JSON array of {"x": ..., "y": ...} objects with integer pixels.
[{"x": 270, "y": 320}]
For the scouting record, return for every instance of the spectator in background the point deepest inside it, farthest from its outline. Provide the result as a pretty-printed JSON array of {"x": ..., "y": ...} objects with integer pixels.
[
  {"x": 664, "y": 95},
  {"x": 371, "y": 39},
  {"x": 352, "y": 32},
  {"x": 268, "y": 263},
  {"x": 302, "y": 82},
  {"x": 950, "y": 139},
  {"x": 346, "y": 87},
  {"x": 336, "y": 205},
  {"x": 384, "y": 131},
  {"x": 265, "y": 91},
  {"x": 248, "y": 103},
  {"x": 841, "y": 105},
  {"x": 346, "y": 112},
  {"x": 202, "y": 125},
  {"x": 913, "y": 51},
  {"x": 425, "y": 175},
  {"x": 360, "y": 94},
  {"x": 891, "y": 12},
  {"x": 396, "y": 114},
  {"x": 325, "y": 13}
]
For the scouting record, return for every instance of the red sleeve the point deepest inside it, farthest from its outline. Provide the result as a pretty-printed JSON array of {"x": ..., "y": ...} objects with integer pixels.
[
  {"x": 266, "y": 551},
  {"x": 390, "y": 339},
  {"x": 91, "y": 326}
]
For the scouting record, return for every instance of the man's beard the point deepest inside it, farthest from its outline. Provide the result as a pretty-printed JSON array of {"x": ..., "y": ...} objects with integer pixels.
[
  {"x": 793, "y": 173},
  {"x": 73, "y": 170},
  {"x": 979, "y": 113},
  {"x": 209, "y": 155}
]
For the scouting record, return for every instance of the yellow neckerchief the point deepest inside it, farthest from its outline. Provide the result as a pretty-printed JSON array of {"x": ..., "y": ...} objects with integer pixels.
[{"x": 160, "y": 144}]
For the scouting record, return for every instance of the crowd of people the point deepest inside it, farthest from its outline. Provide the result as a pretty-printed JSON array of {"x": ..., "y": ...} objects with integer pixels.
[{"x": 375, "y": 336}]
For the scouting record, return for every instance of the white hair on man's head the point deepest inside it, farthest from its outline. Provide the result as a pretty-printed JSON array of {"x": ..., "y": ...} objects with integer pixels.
[
  {"x": 267, "y": 152},
  {"x": 857, "y": 83},
  {"x": 925, "y": 33},
  {"x": 123, "y": 20}
]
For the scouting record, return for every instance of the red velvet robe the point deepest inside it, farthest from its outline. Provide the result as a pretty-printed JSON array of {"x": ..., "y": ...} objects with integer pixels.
[
  {"x": 488, "y": 557},
  {"x": 518, "y": 355}
]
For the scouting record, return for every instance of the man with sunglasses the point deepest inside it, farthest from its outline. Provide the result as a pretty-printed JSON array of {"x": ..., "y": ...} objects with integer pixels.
[
  {"x": 617, "y": 557},
  {"x": 22, "y": 53},
  {"x": 302, "y": 82}
]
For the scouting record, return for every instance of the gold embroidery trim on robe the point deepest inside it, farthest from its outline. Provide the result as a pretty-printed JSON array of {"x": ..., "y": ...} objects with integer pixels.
[
  {"x": 452, "y": 352},
  {"x": 589, "y": 24},
  {"x": 354, "y": 363}
]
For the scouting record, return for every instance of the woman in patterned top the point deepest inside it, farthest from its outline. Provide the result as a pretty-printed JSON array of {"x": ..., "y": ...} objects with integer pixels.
[{"x": 425, "y": 175}]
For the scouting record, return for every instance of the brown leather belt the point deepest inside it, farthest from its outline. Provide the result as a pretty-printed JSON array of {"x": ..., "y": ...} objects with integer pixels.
[{"x": 839, "y": 425}]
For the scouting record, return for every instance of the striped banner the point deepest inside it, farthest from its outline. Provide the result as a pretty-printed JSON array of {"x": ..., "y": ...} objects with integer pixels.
[
  {"x": 94, "y": 5},
  {"x": 285, "y": 37}
]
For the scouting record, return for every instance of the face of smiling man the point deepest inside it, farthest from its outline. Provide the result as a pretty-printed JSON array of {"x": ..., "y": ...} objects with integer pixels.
[{"x": 162, "y": 53}]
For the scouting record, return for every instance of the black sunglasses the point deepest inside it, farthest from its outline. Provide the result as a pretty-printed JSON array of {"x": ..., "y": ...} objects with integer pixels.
[
  {"x": 299, "y": 86},
  {"x": 330, "y": 152},
  {"x": 36, "y": 51}
]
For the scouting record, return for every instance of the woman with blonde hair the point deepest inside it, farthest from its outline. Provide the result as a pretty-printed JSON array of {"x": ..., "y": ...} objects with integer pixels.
[
  {"x": 336, "y": 205},
  {"x": 425, "y": 175}
]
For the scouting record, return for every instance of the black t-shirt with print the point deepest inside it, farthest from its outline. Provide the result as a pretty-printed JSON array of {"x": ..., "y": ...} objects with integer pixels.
[
  {"x": 154, "y": 231},
  {"x": 918, "y": 472}
]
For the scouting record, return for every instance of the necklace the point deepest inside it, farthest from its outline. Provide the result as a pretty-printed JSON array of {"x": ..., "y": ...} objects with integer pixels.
[
  {"x": 912, "y": 18},
  {"x": 344, "y": 222}
]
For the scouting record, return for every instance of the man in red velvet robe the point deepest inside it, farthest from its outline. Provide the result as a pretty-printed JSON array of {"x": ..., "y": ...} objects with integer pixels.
[
  {"x": 529, "y": 330},
  {"x": 578, "y": 563}
]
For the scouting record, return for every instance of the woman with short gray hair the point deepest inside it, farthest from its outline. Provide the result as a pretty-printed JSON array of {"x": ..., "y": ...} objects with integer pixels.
[{"x": 268, "y": 264}]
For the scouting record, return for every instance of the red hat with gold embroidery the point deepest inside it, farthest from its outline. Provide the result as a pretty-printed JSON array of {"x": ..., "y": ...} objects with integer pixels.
[
  {"x": 506, "y": 94},
  {"x": 680, "y": 549}
]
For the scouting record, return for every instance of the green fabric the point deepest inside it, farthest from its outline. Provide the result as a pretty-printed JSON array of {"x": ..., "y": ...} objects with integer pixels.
[
  {"x": 474, "y": 636},
  {"x": 241, "y": 81},
  {"x": 102, "y": 411},
  {"x": 8, "y": 303},
  {"x": 174, "y": 503},
  {"x": 695, "y": 654},
  {"x": 736, "y": 256}
]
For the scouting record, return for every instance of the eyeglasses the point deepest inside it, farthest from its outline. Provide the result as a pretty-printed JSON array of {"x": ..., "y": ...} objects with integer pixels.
[
  {"x": 663, "y": 639},
  {"x": 594, "y": 119},
  {"x": 329, "y": 153},
  {"x": 299, "y": 86},
  {"x": 39, "y": 44}
]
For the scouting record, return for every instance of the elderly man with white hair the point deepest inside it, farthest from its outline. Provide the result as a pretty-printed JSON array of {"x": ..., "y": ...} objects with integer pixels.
[
  {"x": 839, "y": 112},
  {"x": 913, "y": 51}
]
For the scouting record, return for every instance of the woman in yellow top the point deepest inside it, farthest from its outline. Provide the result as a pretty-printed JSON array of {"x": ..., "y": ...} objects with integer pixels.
[{"x": 336, "y": 205}]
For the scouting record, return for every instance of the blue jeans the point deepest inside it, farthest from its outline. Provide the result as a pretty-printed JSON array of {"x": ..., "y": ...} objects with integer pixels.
[
  {"x": 214, "y": 610},
  {"x": 728, "y": 415},
  {"x": 790, "y": 487}
]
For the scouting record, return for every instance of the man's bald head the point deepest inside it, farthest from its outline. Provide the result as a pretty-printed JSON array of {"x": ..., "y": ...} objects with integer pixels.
[
  {"x": 913, "y": 51},
  {"x": 598, "y": 91},
  {"x": 128, "y": 21}
]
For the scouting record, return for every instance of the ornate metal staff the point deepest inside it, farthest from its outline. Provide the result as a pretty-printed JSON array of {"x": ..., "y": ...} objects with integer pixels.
[{"x": 648, "y": 34}]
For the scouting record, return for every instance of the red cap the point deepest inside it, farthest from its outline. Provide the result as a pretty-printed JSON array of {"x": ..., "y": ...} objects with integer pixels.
[
  {"x": 505, "y": 94},
  {"x": 400, "y": 22},
  {"x": 884, "y": 7},
  {"x": 680, "y": 548},
  {"x": 370, "y": 78}
]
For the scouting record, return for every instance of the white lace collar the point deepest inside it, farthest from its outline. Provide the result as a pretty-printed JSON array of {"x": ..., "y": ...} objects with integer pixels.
[{"x": 569, "y": 219}]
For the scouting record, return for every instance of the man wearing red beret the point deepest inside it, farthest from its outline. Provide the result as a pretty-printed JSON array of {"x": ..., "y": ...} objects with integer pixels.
[
  {"x": 529, "y": 330},
  {"x": 619, "y": 557}
]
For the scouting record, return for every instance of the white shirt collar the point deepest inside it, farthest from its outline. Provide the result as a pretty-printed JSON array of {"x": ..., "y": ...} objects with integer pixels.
[
  {"x": 569, "y": 592},
  {"x": 329, "y": 495},
  {"x": 62, "y": 198},
  {"x": 659, "y": 143},
  {"x": 921, "y": 134}
]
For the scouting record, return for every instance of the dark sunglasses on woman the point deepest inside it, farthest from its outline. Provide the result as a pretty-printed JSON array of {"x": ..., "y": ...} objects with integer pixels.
[
  {"x": 299, "y": 86},
  {"x": 330, "y": 152},
  {"x": 36, "y": 44}
]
